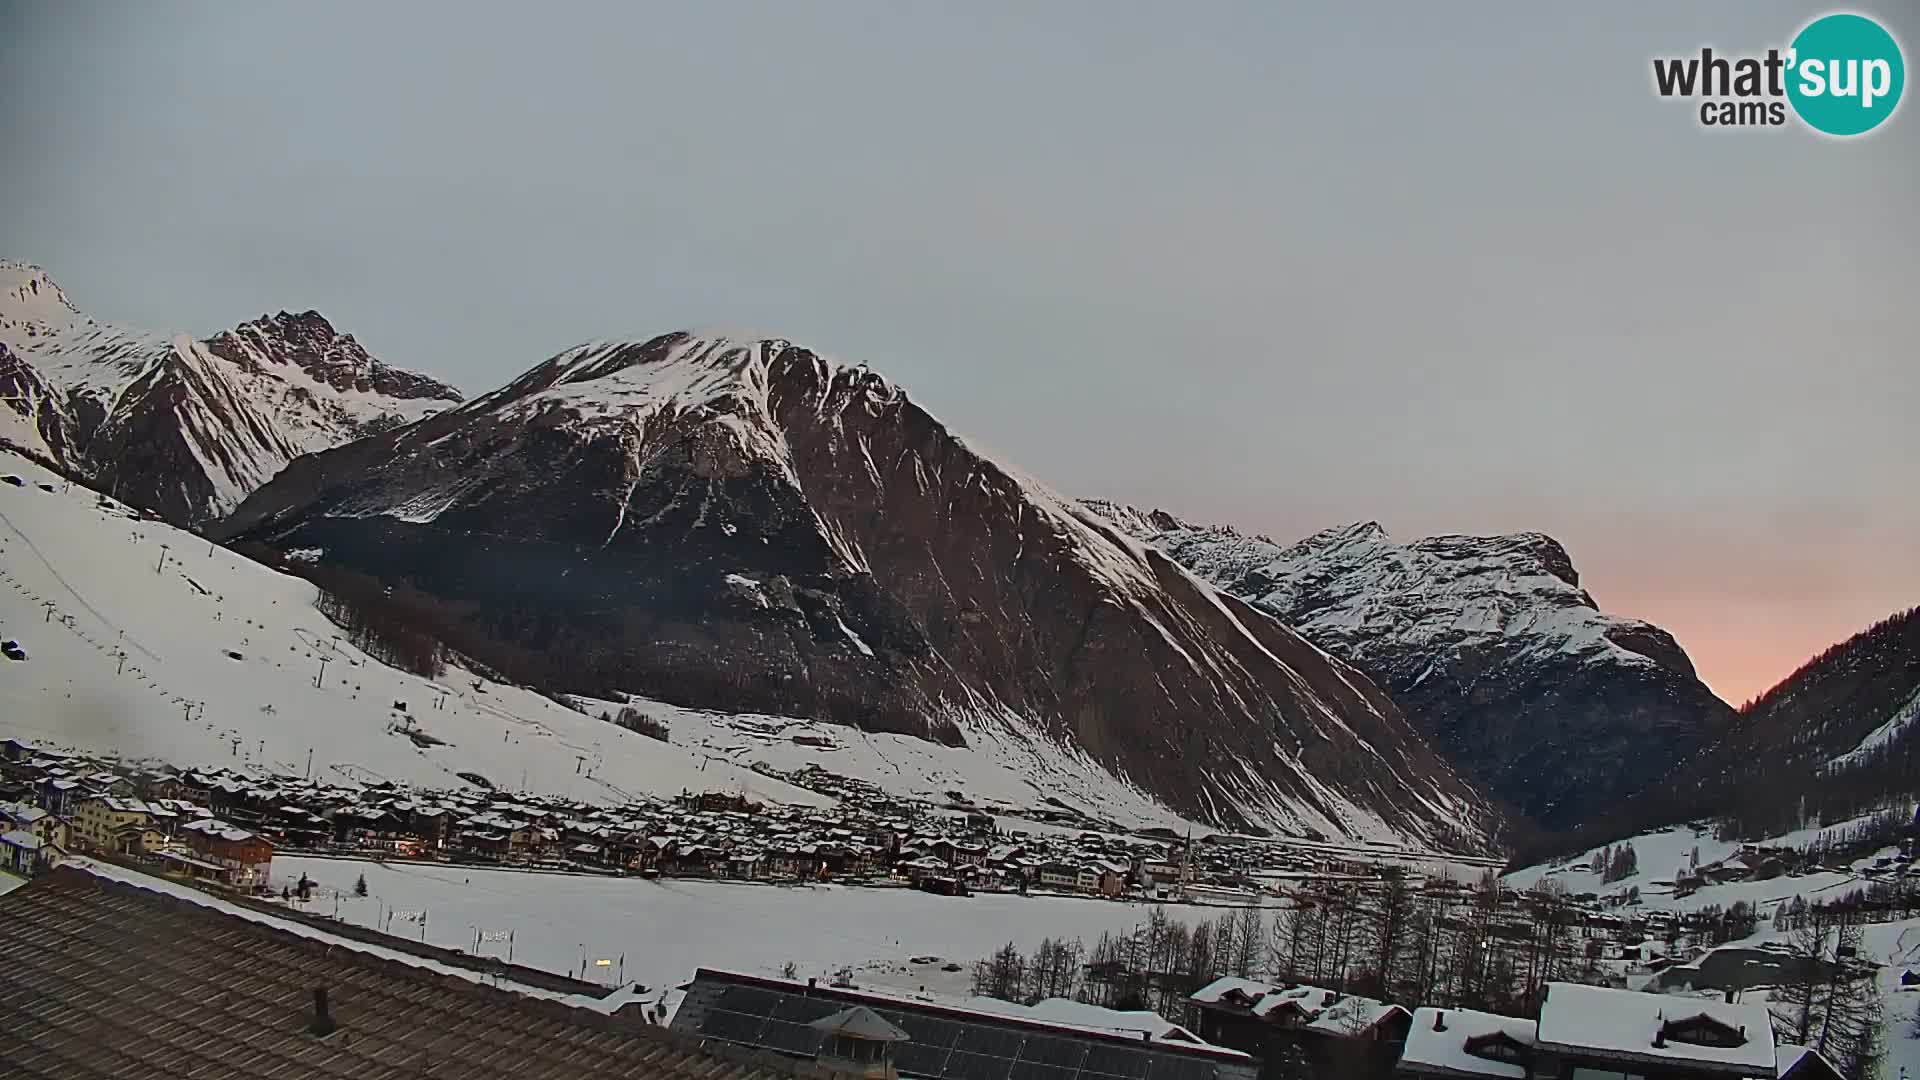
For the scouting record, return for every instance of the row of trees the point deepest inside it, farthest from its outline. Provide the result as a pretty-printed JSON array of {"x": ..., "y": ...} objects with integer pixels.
[
  {"x": 376, "y": 623},
  {"x": 1617, "y": 862},
  {"x": 1426, "y": 949},
  {"x": 1382, "y": 940},
  {"x": 1829, "y": 998},
  {"x": 634, "y": 720}
]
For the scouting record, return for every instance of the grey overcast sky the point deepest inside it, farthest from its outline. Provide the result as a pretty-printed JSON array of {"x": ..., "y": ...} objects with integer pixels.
[{"x": 1451, "y": 267}]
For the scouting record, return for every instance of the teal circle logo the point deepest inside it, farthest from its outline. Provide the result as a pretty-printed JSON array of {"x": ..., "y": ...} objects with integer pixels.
[{"x": 1846, "y": 74}]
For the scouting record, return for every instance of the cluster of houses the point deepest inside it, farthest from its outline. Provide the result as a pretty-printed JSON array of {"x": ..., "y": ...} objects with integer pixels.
[
  {"x": 163, "y": 813},
  {"x": 53, "y": 804}
]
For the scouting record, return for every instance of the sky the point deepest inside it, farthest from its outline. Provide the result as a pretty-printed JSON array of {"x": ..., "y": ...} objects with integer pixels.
[{"x": 1452, "y": 268}]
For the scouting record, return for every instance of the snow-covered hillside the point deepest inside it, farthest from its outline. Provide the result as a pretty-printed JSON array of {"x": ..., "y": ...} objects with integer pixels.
[
  {"x": 222, "y": 655},
  {"x": 1489, "y": 644},
  {"x": 744, "y": 524},
  {"x": 185, "y": 427},
  {"x": 1667, "y": 854}
]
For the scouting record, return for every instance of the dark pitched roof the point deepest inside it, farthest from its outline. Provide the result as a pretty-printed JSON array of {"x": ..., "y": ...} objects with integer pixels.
[
  {"x": 943, "y": 1040},
  {"x": 860, "y": 1022},
  {"x": 107, "y": 979}
]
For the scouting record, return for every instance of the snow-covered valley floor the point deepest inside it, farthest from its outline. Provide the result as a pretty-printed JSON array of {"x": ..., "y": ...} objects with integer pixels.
[{"x": 665, "y": 929}]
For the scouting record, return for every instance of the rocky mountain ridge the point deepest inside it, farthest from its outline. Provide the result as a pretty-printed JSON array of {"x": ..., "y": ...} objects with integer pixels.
[
  {"x": 181, "y": 427},
  {"x": 1490, "y": 646}
]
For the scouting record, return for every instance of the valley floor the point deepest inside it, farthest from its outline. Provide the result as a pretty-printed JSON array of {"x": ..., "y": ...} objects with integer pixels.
[{"x": 666, "y": 929}]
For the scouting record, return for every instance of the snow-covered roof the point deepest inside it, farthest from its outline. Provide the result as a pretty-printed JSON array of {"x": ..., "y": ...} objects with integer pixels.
[
  {"x": 860, "y": 1022},
  {"x": 1351, "y": 1015},
  {"x": 1218, "y": 989},
  {"x": 23, "y": 840},
  {"x": 1598, "y": 1020},
  {"x": 21, "y": 812},
  {"x": 214, "y": 827},
  {"x": 1442, "y": 1047},
  {"x": 1786, "y": 1057}
]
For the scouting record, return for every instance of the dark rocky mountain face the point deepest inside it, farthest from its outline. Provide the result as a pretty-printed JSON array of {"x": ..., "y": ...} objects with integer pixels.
[
  {"x": 742, "y": 524},
  {"x": 1836, "y": 739},
  {"x": 309, "y": 342},
  {"x": 1489, "y": 646},
  {"x": 179, "y": 427},
  {"x": 1856, "y": 697}
]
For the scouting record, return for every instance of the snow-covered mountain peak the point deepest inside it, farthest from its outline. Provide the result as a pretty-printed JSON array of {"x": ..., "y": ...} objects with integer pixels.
[
  {"x": 1483, "y": 641},
  {"x": 181, "y": 426},
  {"x": 308, "y": 342},
  {"x": 27, "y": 291}
]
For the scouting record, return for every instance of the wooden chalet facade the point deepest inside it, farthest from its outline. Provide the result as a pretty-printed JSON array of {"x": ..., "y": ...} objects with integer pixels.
[{"x": 1341, "y": 1036}]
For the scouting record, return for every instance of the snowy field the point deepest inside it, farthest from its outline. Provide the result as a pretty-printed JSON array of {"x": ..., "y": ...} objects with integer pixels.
[
  {"x": 667, "y": 928},
  {"x": 1664, "y": 854},
  {"x": 146, "y": 642}
]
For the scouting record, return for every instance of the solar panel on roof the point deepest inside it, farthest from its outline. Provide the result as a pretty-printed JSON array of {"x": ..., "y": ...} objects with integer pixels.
[
  {"x": 732, "y": 1026},
  {"x": 1168, "y": 1067},
  {"x": 932, "y": 1032},
  {"x": 1047, "y": 1072},
  {"x": 748, "y": 999},
  {"x": 1042, "y": 1050},
  {"x": 919, "y": 1059},
  {"x": 947, "y": 1046},
  {"x": 962, "y": 1065},
  {"x": 800, "y": 1010},
  {"x": 1122, "y": 1062},
  {"x": 991, "y": 1042},
  {"x": 790, "y": 1038}
]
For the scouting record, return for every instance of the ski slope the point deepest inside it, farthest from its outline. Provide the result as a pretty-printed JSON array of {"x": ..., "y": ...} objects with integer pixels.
[{"x": 147, "y": 642}]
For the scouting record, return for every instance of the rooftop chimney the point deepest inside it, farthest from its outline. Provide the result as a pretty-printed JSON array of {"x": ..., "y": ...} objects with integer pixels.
[
  {"x": 322, "y": 1024},
  {"x": 1440, "y": 1020}
]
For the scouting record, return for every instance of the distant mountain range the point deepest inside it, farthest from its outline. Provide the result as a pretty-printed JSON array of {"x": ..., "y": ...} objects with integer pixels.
[
  {"x": 181, "y": 427},
  {"x": 738, "y": 523},
  {"x": 1489, "y": 645}
]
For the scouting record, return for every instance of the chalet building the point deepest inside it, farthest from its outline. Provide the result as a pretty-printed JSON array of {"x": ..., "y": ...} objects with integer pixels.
[
  {"x": 263, "y": 996},
  {"x": 1597, "y": 1033},
  {"x": 431, "y": 825},
  {"x": 142, "y": 839},
  {"x": 244, "y": 859},
  {"x": 58, "y": 795},
  {"x": 99, "y": 821},
  {"x": 17, "y": 750},
  {"x": 21, "y": 852},
  {"x": 1102, "y": 878},
  {"x": 1340, "y": 1034},
  {"x": 1058, "y": 875},
  {"x": 1463, "y": 1044},
  {"x": 52, "y": 832}
]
